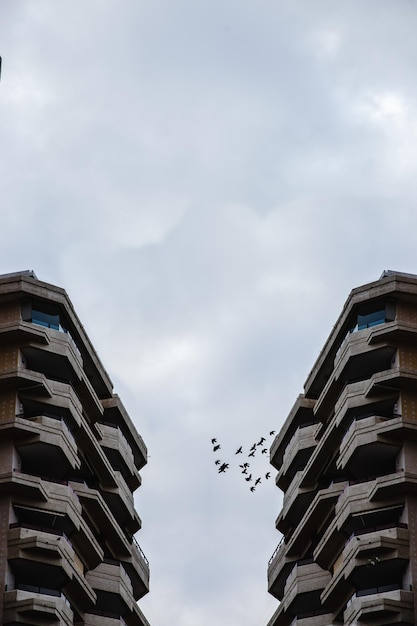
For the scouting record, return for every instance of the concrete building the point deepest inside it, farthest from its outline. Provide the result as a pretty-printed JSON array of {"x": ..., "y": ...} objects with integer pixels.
[
  {"x": 347, "y": 464},
  {"x": 69, "y": 464}
]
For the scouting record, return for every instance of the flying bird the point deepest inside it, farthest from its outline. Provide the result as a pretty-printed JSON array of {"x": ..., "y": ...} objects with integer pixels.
[
  {"x": 260, "y": 442},
  {"x": 239, "y": 451},
  {"x": 252, "y": 489},
  {"x": 223, "y": 467},
  {"x": 249, "y": 478},
  {"x": 213, "y": 441},
  {"x": 265, "y": 450},
  {"x": 257, "y": 481},
  {"x": 252, "y": 453},
  {"x": 272, "y": 432},
  {"x": 217, "y": 462},
  {"x": 267, "y": 475},
  {"x": 216, "y": 447}
]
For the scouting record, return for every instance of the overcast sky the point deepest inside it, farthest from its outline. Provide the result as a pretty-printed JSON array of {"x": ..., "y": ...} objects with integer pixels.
[{"x": 208, "y": 181}]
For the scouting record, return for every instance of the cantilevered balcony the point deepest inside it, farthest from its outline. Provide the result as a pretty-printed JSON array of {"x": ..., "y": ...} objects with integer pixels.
[
  {"x": 48, "y": 560},
  {"x": 64, "y": 366},
  {"x": 279, "y": 567},
  {"x": 46, "y": 444},
  {"x": 37, "y": 607},
  {"x": 297, "y": 453},
  {"x": 137, "y": 567},
  {"x": 115, "y": 593},
  {"x": 110, "y": 578},
  {"x": 377, "y": 556},
  {"x": 102, "y": 516},
  {"x": 22, "y": 485},
  {"x": 314, "y": 517},
  {"x": 296, "y": 501},
  {"x": 115, "y": 413},
  {"x": 119, "y": 453},
  {"x": 301, "y": 595},
  {"x": 300, "y": 415},
  {"x": 381, "y": 607},
  {"x": 120, "y": 502},
  {"x": 368, "y": 443},
  {"x": 24, "y": 380}
]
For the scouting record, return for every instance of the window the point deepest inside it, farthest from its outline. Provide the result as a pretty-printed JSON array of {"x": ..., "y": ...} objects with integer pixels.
[{"x": 45, "y": 319}]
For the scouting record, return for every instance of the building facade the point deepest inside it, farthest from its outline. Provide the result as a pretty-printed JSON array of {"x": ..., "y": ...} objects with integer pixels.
[
  {"x": 347, "y": 463},
  {"x": 69, "y": 463}
]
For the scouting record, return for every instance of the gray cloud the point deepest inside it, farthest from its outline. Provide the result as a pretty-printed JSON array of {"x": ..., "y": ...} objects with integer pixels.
[{"x": 208, "y": 182}]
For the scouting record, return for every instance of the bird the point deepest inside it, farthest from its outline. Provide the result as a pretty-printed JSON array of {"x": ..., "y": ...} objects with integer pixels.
[
  {"x": 216, "y": 447},
  {"x": 272, "y": 432},
  {"x": 239, "y": 451},
  {"x": 249, "y": 478},
  {"x": 252, "y": 453},
  {"x": 245, "y": 470},
  {"x": 217, "y": 462},
  {"x": 257, "y": 481},
  {"x": 253, "y": 447},
  {"x": 223, "y": 467},
  {"x": 252, "y": 488},
  {"x": 213, "y": 441},
  {"x": 267, "y": 475},
  {"x": 265, "y": 450},
  {"x": 260, "y": 442},
  {"x": 244, "y": 465}
]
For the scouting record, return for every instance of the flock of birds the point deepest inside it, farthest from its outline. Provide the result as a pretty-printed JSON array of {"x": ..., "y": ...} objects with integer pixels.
[{"x": 245, "y": 466}]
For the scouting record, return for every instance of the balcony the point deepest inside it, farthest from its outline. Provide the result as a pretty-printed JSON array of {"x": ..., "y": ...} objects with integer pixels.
[
  {"x": 101, "y": 618},
  {"x": 120, "y": 502},
  {"x": 300, "y": 414},
  {"x": 116, "y": 414},
  {"x": 385, "y": 606},
  {"x": 279, "y": 567},
  {"x": 60, "y": 362},
  {"x": 25, "y": 380},
  {"x": 101, "y": 514},
  {"x": 23, "y": 485},
  {"x": 296, "y": 501},
  {"x": 87, "y": 437},
  {"x": 137, "y": 567},
  {"x": 369, "y": 439},
  {"x": 301, "y": 595},
  {"x": 115, "y": 593},
  {"x": 17, "y": 331},
  {"x": 119, "y": 453},
  {"x": 379, "y": 556},
  {"x": 44, "y": 443},
  {"x": 391, "y": 381},
  {"x": 37, "y": 607},
  {"x": 111, "y": 578},
  {"x": 315, "y": 516},
  {"x": 49, "y": 560},
  {"x": 297, "y": 453}
]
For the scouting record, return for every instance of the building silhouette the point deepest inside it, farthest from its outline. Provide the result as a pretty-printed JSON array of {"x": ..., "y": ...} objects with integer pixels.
[
  {"x": 69, "y": 464},
  {"x": 347, "y": 463}
]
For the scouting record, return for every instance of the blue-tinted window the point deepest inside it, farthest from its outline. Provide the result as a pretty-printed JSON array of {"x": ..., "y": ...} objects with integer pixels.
[
  {"x": 45, "y": 319},
  {"x": 371, "y": 319}
]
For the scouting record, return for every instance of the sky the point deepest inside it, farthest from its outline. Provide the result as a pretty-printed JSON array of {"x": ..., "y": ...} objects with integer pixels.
[{"x": 208, "y": 181}]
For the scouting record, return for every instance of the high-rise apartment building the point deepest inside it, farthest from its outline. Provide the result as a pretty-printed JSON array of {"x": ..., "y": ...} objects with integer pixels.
[
  {"x": 347, "y": 464},
  {"x": 69, "y": 464}
]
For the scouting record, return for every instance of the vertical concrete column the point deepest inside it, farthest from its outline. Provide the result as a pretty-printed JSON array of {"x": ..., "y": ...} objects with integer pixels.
[
  {"x": 4, "y": 529},
  {"x": 412, "y": 529}
]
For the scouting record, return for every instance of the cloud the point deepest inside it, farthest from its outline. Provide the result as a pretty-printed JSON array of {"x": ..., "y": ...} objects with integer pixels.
[{"x": 208, "y": 182}]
